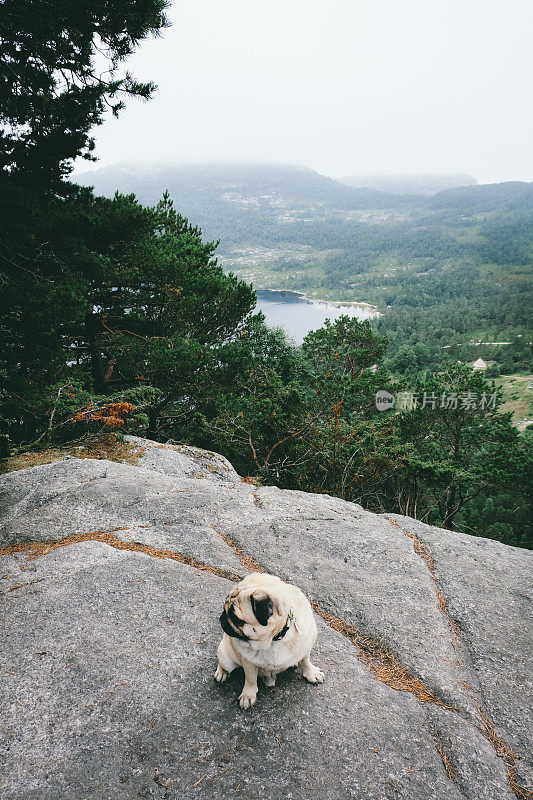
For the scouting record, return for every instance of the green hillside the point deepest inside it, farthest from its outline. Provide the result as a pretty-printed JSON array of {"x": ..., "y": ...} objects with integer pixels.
[{"x": 445, "y": 270}]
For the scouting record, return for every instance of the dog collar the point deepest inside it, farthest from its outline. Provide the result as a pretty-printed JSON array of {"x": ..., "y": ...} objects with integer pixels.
[{"x": 286, "y": 627}]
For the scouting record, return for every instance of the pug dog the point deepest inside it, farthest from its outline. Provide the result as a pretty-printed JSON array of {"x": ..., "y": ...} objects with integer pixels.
[{"x": 268, "y": 627}]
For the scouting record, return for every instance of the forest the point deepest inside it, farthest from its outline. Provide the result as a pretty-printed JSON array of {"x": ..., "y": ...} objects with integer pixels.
[
  {"x": 445, "y": 270},
  {"x": 117, "y": 316}
]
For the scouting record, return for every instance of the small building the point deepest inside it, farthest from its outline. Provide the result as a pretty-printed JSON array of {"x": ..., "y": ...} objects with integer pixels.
[{"x": 479, "y": 364}]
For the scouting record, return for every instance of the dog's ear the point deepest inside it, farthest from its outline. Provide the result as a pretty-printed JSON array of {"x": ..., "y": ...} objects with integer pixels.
[{"x": 262, "y": 607}]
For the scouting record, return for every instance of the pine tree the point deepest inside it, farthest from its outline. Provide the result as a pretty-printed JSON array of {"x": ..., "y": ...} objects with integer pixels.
[{"x": 60, "y": 68}]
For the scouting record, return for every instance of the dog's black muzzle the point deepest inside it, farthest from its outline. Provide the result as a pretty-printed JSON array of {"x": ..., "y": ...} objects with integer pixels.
[{"x": 227, "y": 628}]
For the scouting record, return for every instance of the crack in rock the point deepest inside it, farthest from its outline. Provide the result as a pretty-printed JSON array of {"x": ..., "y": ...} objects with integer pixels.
[
  {"x": 383, "y": 665},
  {"x": 446, "y": 759},
  {"x": 38, "y": 549},
  {"x": 487, "y": 727},
  {"x": 21, "y": 586},
  {"x": 378, "y": 659}
]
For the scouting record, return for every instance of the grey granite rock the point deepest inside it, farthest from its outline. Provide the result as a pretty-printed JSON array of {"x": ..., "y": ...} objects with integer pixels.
[
  {"x": 488, "y": 589},
  {"x": 108, "y": 654}
]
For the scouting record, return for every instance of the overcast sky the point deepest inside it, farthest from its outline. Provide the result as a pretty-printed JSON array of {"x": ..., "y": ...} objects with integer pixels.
[{"x": 343, "y": 86}]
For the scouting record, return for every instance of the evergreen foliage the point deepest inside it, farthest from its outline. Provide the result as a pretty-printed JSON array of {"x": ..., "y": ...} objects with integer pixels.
[
  {"x": 117, "y": 316},
  {"x": 59, "y": 69}
]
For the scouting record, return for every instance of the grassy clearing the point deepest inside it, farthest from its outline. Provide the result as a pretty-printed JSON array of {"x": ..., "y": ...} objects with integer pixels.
[
  {"x": 517, "y": 397},
  {"x": 108, "y": 449}
]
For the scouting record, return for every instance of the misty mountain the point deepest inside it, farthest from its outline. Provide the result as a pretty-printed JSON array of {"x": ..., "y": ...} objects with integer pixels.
[
  {"x": 234, "y": 191},
  {"x": 490, "y": 197},
  {"x": 239, "y": 184},
  {"x": 225, "y": 198},
  {"x": 424, "y": 185},
  {"x": 273, "y": 206},
  {"x": 290, "y": 227}
]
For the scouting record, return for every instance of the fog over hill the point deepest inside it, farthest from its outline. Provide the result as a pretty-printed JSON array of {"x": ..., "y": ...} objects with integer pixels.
[
  {"x": 269, "y": 203},
  {"x": 234, "y": 184},
  {"x": 425, "y": 185},
  {"x": 277, "y": 204},
  {"x": 262, "y": 185}
]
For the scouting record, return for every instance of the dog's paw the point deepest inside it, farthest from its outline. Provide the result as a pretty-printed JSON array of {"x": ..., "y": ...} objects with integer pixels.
[
  {"x": 269, "y": 679},
  {"x": 314, "y": 675},
  {"x": 247, "y": 700},
  {"x": 220, "y": 674}
]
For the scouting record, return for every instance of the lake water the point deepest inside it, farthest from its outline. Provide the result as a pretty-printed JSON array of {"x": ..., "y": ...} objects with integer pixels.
[{"x": 298, "y": 316}]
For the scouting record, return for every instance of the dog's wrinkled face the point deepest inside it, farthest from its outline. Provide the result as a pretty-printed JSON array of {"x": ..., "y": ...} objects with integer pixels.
[{"x": 251, "y": 615}]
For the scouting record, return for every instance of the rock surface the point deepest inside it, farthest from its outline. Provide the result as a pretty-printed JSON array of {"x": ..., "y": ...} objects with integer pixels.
[{"x": 109, "y": 643}]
